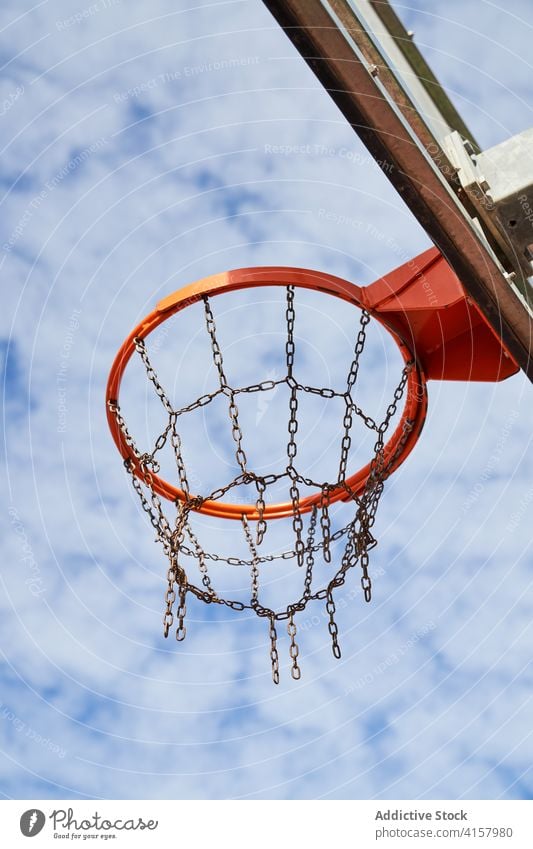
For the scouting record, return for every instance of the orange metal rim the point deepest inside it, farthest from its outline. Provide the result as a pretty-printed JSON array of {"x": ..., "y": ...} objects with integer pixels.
[{"x": 413, "y": 416}]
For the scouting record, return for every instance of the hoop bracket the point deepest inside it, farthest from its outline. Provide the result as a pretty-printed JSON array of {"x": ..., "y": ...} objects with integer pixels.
[{"x": 424, "y": 302}]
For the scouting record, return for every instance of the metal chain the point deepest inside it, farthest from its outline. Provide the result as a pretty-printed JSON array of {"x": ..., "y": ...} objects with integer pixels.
[
  {"x": 325, "y": 522},
  {"x": 128, "y": 438},
  {"x": 297, "y": 524},
  {"x": 260, "y": 507},
  {"x": 289, "y": 554},
  {"x": 332, "y": 625},
  {"x": 170, "y": 598},
  {"x": 202, "y": 565},
  {"x": 264, "y": 386},
  {"x": 245, "y": 478},
  {"x": 140, "y": 347},
  {"x": 292, "y": 427},
  {"x": 290, "y": 318},
  {"x": 215, "y": 347},
  {"x": 358, "y": 532},
  {"x": 175, "y": 440},
  {"x": 181, "y": 613},
  {"x": 310, "y": 560},
  {"x": 236, "y": 431},
  {"x": 359, "y": 345},
  {"x": 376, "y": 482},
  {"x": 177, "y": 572},
  {"x": 346, "y": 439},
  {"x": 255, "y": 571},
  {"x": 366, "y": 583},
  {"x": 293, "y": 648},
  {"x": 330, "y": 393},
  {"x": 224, "y": 386},
  {"x": 274, "y": 657},
  {"x": 157, "y": 523}
]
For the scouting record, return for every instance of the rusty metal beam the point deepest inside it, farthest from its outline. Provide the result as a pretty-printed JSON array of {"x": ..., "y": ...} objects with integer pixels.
[
  {"x": 329, "y": 47},
  {"x": 402, "y": 38}
]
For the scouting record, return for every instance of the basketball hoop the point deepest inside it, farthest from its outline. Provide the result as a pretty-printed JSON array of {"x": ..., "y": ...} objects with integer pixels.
[{"x": 396, "y": 303}]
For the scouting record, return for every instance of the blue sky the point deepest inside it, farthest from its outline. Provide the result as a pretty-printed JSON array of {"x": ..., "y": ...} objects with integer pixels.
[{"x": 137, "y": 158}]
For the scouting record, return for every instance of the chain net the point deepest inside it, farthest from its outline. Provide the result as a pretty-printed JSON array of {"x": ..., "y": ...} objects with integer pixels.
[{"x": 179, "y": 540}]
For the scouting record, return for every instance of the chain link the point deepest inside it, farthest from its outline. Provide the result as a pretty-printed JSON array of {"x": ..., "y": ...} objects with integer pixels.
[
  {"x": 202, "y": 565},
  {"x": 215, "y": 348},
  {"x": 170, "y": 598},
  {"x": 292, "y": 426},
  {"x": 325, "y": 522},
  {"x": 290, "y": 318},
  {"x": 359, "y": 345},
  {"x": 289, "y": 554},
  {"x": 226, "y": 389},
  {"x": 260, "y": 507},
  {"x": 180, "y": 465},
  {"x": 128, "y": 438},
  {"x": 297, "y": 524},
  {"x": 181, "y": 613}
]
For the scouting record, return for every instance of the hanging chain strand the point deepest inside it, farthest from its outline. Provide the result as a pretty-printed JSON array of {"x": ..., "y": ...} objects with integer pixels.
[
  {"x": 255, "y": 571},
  {"x": 226, "y": 389},
  {"x": 290, "y": 318},
  {"x": 202, "y": 565},
  {"x": 376, "y": 482},
  {"x": 179, "y": 576},
  {"x": 293, "y": 649},
  {"x": 170, "y": 598},
  {"x": 260, "y": 507},
  {"x": 310, "y": 560},
  {"x": 325, "y": 522},
  {"x": 359, "y": 346},
  {"x": 297, "y": 523},
  {"x": 332, "y": 625},
  {"x": 143, "y": 466},
  {"x": 181, "y": 613},
  {"x": 140, "y": 347},
  {"x": 128, "y": 438},
  {"x": 175, "y": 441},
  {"x": 351, "y": 407}
]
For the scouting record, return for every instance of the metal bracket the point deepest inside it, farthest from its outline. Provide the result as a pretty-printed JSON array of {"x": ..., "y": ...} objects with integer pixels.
[{"x": 499, "y": 184}]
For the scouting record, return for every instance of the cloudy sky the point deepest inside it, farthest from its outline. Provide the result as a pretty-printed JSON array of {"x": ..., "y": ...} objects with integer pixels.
[{"x": 141, "y": 151}]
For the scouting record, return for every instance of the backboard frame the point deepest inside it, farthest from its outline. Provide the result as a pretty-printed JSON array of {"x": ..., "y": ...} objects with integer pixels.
[{"x": 335, "y": 42}]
